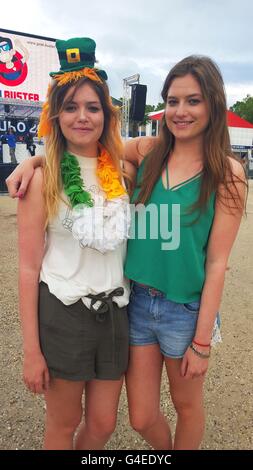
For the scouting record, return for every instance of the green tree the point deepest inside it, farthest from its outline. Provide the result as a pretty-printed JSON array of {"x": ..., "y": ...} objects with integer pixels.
[
  {"x": 149, "y": 108},
  {"x": 160, "y": 107},
  {"x": 244, "y": 108}
]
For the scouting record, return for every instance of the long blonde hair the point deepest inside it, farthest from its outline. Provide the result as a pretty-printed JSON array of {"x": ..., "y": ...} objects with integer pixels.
[
  {"x": 216, "y": 166},
  {"x": 56, "y": 143}
]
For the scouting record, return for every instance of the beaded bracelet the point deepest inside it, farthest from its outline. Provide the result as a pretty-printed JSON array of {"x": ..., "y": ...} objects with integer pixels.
[{"x": 198, "y": 353}]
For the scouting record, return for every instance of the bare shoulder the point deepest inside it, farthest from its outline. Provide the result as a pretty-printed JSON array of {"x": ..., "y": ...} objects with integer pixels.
[
  {"x": 233, "y": 194},
  {"x": 137, "y": 148},
  {"x": 146, "y": 144},
  {"x": 34, "y": 195},
  {"x": 37, "y": 180},
  {"x": 237, "y": 168},
  {"x": 31, "y": 208}
]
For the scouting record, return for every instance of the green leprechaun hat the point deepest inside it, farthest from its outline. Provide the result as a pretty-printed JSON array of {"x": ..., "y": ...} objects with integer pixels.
[{"x": 77, "y": 54}]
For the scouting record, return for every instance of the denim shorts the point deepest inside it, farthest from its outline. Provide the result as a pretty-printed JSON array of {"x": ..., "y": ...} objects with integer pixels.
[{"x": 153, "y": 319}]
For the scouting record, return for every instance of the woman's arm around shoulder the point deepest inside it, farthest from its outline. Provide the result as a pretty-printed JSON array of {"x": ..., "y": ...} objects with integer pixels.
[
  {"x": 130, "y": 172},
  {"x": 20, "y": 178},
  {"x": 137, "y": 148}
]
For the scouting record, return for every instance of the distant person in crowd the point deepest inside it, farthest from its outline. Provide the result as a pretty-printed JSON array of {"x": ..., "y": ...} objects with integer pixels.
[
  {"x": 1, "y": 150},
  {"x": 11, "y": 139},
  {"x": 30, "y": 145}
]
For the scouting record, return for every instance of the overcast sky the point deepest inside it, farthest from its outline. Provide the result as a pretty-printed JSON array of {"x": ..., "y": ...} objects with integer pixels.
[{"x": 148, "y": 37}]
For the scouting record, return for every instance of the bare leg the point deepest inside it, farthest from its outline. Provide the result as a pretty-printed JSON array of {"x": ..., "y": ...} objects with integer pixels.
[
  {"x": 143, "y": 382},
  {"x": 101, "y": 406},
  {"x": 187, "y": 397},
  {"x": 64, "y": 413},
  {"x": 12, "y": 155}
]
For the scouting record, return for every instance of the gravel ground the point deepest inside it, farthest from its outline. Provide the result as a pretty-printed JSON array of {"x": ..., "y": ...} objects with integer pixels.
[{"x": 228, "y": 391}]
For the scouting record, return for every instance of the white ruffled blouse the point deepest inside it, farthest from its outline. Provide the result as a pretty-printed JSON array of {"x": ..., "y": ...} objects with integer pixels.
[{"x": 76, "y": 262}]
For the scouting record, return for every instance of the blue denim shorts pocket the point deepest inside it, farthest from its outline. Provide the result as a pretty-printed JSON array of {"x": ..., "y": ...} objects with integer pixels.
[
  {"x": 139, "y": 317},
  {"x": 192, "y": 307}
]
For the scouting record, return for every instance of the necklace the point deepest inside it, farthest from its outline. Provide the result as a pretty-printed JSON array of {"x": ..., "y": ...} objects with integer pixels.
[
  {"x": 98, "y": 222},
  {"x": 73, "y": 183}
]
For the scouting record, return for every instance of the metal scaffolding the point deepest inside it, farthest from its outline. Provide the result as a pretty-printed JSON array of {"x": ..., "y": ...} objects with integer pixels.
[
  {"x": 127, "y": 82},
  {"x": 19, "y": 109}
]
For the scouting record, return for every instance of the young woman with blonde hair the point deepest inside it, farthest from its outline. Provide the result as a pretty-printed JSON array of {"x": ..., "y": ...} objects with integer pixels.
[{"x": 73, "y": 295}]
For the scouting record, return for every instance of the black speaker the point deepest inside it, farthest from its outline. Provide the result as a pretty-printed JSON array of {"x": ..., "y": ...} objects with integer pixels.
[
  {"x": 6, "y": 108},
  {"x": 138, "y": 102},
  {"x": 5, "y": 170}
]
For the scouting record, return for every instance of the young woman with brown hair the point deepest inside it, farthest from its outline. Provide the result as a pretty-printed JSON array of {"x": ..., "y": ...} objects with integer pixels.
[{"x": 177, "y": 285}]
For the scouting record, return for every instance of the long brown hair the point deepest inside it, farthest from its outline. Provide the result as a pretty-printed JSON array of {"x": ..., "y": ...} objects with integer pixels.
[
  {"x": 56, "y": 143},
  {"x": 216, "y": 166}
]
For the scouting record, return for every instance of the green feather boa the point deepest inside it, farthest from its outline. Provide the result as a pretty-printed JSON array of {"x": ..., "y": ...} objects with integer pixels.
[{"x": 72, "y": 181}]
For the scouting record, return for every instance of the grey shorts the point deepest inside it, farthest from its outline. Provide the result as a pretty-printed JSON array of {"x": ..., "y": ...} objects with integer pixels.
[{"x": 80, "y": 345}]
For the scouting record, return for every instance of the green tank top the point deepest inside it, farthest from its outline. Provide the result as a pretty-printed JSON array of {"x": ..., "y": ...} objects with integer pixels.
[{"x": 166, "y": 249}]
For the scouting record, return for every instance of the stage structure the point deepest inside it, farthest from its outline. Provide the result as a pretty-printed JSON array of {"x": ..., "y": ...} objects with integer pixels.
[
  {"x": 127, "y": 82},
  {"x": 25, "y": 63}
]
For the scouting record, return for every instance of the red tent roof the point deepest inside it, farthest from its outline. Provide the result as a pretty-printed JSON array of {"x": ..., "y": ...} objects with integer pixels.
[
  {"x": 232, "y": 118},
  {"x": 156, "y": 116},
  {"x": 236, "y": 121}
]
